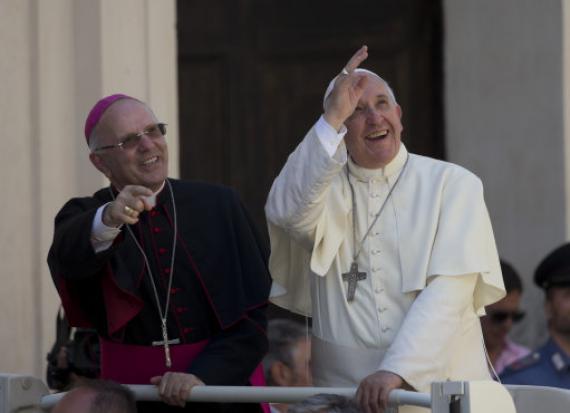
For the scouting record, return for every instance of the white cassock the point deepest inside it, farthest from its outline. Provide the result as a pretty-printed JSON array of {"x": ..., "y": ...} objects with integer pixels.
[{"x": 431, "y": 261}]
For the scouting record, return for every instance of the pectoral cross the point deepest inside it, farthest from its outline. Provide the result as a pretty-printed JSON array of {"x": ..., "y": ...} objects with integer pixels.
[
  {"x": 166, "y": 343},
  {"x": 352, "y": 277}
]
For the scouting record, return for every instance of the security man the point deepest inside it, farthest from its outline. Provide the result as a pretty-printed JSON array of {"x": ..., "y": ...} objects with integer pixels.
[{"x": 550, "y": 364}]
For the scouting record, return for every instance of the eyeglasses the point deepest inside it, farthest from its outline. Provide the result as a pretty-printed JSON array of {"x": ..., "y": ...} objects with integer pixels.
[
  {"x": 499, "y": 317},
  {"x": 131, "y": 141}
]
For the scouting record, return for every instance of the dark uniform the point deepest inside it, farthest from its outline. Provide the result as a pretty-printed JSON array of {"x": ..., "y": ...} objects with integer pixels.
[{"x": 549, "y": 365}]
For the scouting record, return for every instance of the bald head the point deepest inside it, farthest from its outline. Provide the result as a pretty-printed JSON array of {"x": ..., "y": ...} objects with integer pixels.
[
  {"x": 97, "y": 396},
  {"x": 103, "y": 131},
  {"x": 78, "y": 400}
]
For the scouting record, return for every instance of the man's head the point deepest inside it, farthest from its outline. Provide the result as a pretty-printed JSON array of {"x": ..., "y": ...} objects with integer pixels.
[
  {"x": 553, "y": 275},
  {"x": 501, "y": 315},
  {"x": 374, "y": 128},
  {"x": 325, "y": 403},
  {"x": 97, "y": 396},
  {"x": 287, "y": 362},
  {"x": 127, "y": 143}
]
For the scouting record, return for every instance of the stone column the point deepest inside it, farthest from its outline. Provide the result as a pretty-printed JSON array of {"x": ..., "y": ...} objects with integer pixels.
[
  {"x": 59, "y": 58},
  {"x": 504, "y": 110}
]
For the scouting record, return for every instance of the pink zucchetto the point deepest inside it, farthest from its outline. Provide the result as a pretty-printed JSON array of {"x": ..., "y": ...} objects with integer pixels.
[{"x": 100, "y": 107}]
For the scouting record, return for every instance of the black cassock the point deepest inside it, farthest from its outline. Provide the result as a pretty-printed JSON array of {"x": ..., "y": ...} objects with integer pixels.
[{"x": 219, "y": 290}]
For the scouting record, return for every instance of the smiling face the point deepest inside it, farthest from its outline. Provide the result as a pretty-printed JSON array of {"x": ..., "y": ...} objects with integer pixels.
[
  {"x": 375, "y": 127},
  {"x": 147, "y": 163}
]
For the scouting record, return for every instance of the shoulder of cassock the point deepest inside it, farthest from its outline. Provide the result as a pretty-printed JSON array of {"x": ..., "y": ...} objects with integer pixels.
[{"x": 443, "y": 229}]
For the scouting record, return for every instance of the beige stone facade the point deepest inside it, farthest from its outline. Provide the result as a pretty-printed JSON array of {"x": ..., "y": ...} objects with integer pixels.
[{"x": 58, "y": 58}]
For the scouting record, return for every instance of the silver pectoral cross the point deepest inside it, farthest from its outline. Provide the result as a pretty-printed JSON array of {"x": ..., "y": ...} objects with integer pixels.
[
  {"x": 352, "y": 277},
  {"x": 166, "y": 343}
]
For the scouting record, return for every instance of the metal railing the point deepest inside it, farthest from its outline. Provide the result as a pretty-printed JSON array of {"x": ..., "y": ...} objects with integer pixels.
[
  {"x": 246, "y": 394},
  {"x": 24, "y": 394}
]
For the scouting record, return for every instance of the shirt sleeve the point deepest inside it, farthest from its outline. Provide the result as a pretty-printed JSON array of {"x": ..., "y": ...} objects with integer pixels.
[
  {"x": 419, "y": 352},
  {"x": 328, "y": 136},
  {"x": 102, "y": 236}
]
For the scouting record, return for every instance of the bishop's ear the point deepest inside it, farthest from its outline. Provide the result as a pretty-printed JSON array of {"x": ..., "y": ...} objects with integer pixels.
[{"x": 99, "y": 163}]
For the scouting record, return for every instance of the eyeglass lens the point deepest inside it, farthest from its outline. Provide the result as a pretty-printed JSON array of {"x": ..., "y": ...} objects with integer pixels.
[{"x": 153, "y": 132}]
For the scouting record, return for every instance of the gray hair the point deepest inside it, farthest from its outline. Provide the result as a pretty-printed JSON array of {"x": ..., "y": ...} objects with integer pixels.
[
  {"x": 110, "y": 397},
  {"x": 93, "y": 140},
  {"x": 283, "y": 335},
  {"x": 329, "y": 403},
  {"x": 330, "y": 87}
]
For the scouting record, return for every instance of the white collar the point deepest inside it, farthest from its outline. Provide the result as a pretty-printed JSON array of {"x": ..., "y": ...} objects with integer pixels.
[
  {"x": 151, "y": 200},
  {"x": 392, "y": 169}
]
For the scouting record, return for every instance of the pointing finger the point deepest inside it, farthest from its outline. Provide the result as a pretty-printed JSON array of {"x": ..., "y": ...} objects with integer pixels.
[{"x": 357, "y": 59}]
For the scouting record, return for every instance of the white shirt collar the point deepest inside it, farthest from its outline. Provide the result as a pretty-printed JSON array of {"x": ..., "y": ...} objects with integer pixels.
[
  {"x": 152, "y": 199},
  {"x": 393, "y": 168}
]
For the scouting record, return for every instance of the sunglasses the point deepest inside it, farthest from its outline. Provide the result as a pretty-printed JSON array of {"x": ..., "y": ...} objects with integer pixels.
[{"x": 499, "y": 317}]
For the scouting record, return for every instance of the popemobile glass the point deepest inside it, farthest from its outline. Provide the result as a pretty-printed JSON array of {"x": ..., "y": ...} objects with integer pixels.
[{"x": 131, "y": 141}]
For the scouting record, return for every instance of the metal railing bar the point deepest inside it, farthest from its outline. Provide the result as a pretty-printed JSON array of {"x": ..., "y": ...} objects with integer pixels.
[{"x": 247, "y": 394}]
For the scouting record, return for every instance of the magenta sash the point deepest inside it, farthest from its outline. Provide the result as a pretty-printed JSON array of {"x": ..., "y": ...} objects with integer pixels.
[{"x": 132, "y": 364}]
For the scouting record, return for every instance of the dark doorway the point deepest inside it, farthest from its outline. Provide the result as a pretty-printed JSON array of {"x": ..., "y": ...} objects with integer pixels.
[{"x": 252, "y": 74}]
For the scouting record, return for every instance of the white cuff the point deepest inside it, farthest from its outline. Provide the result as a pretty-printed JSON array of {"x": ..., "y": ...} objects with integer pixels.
[
  {"x": 328, "y": 136},
  {"x": 102, "y": 236}
]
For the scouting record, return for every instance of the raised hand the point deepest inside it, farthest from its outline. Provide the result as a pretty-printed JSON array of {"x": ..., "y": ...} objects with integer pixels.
[
  {"x": 174, "y": 388},
  {"x": 127, "y": 206},
  {"x": 347, "y": 90}
]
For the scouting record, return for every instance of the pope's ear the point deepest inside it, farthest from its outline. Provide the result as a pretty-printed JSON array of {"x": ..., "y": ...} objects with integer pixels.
[
  {"x": 99, "y": 163},
  {"x": 399, "y": 110}
]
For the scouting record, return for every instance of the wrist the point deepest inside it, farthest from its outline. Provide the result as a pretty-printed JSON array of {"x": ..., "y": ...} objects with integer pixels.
[
  {"x": 333, "y": 121},
  {"x": 106, "y": 218}
]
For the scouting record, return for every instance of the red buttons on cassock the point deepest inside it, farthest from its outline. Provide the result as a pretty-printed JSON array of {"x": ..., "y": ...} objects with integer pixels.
[
  {"x": 162, "y": 251},
  {"x": 153, "y": 212},
  {"x": 156, "y": 230},
  {"x": 180, "y": 310},
  {"x": 166, "y": 270},
  {"x": 186, "y": 330},
  {"x": 174, "y": 290}
]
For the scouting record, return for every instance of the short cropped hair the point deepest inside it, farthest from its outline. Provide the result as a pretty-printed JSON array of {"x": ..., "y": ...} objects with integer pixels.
[
  {"x": 511, "y": 278},
  {"x": 283, "y": 335},
  {"x": 110, "y": 397},
  {"x": 330, "y": 403}
]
